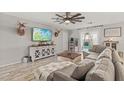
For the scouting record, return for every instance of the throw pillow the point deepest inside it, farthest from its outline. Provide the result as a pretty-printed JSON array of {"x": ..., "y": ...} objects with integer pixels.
[
  {"x": 82, "y": 69},
  {"x": 99, "y": 48}
]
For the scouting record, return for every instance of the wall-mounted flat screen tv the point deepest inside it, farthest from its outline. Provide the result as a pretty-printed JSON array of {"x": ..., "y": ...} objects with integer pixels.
[{"x": 42, "y": 34}]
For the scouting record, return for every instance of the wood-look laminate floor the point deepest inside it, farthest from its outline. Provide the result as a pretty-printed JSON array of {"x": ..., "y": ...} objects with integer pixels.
[{"x": 23, "y": 71}]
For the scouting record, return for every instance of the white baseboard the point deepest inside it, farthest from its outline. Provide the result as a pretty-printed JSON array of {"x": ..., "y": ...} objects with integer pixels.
[{"x": 10, "y": 64}]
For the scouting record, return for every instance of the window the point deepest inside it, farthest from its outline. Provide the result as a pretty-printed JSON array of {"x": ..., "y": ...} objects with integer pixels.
[{"x": 94, "y": 36}]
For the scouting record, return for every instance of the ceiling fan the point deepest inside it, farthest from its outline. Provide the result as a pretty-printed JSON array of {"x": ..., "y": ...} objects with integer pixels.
[{"x": 68, "y": 18}]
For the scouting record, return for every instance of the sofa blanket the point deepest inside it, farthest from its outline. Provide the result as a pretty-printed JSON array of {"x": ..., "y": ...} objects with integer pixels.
[{"x": 43, "y": 72}]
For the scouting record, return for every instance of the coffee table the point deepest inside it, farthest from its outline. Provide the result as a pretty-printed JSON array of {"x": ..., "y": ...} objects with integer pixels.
[{"x": 69, "y": 56}]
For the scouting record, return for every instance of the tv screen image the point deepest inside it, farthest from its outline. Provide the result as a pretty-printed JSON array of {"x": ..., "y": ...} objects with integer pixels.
[{"x": 42, "y": 34}]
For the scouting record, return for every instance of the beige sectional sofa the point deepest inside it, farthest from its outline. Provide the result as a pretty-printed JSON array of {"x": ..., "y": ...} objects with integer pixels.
[
  {"x": 108, "y": 66},
  {"x": 100, "y": 64}
]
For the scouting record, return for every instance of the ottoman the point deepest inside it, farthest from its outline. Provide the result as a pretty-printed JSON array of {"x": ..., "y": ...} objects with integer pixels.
[{"x": 69, "y": 56}]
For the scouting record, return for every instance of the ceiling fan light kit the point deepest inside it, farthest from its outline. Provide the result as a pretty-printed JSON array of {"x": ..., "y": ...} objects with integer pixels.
[
  {"x": 68, "y": 18},
  {"x": 67, "y": 21}
]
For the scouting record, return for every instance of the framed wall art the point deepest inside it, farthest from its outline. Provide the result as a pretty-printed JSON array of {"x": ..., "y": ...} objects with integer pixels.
[{"x": 112, "y": 32}]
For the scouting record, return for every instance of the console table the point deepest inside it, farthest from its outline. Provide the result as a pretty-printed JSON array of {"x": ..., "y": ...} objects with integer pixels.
[
  {"x": 112, "y": 44},
  {"x": 38, "y": 52}
]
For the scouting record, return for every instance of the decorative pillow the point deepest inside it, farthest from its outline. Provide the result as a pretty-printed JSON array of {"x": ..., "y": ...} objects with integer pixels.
[
  {"x": 82, "y": 69},
  {"x": 119, "y": 71},
  {"x": 99, "y": 48},
  {"x": 116, "y": 57},
  {"x": 102, "y": 71},
  {"x": 107, "y": 53},
  {"x": 60, "y": 76}
]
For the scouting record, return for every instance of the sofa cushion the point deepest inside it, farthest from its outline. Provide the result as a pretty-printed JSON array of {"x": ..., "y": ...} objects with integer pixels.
[
  {"x": 87, "y": 61},
  {"x": 107, "y": 53},
  {"x": 97, "y": 48},
  {"x": 116, "y": 57},
  {"x": 102, "y": 71},
  {"x": 119, "y": 71},
  {"x": 60, "y": 76},
  {"x": 82, "y": 69},
  {"x": 92, "y": 56},
  {"x": 68, "y": 70}
]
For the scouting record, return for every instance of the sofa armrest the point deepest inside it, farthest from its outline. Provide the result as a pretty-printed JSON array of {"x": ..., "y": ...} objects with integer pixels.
[
  {"x": 85, "y": 54},
  {"x": 59, "y": 76}
]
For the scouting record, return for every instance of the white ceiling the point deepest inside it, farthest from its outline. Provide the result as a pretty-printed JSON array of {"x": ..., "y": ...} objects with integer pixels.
[{"x": 97, "y": 18}]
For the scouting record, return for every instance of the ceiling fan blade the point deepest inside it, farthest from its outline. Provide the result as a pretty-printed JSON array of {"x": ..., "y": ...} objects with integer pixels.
[
  {"x": 72, "y": 22},
  {"x": 78, "y": 14},
  {"x": 61, "y": 22},
  {"x": 77, "y": 20},
  {"x": 79, "y": 17},
  {"x": 54, "y": 18},
  {"x": 56, "y": 21},
  {"x": 59, "y": 15}
]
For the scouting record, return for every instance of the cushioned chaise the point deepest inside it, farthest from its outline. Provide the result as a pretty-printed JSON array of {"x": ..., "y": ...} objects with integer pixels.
[
  {"x": 92, "y": 56},
  {"x": 94, "y": 52},
  {"x": 72, "y": 73}
]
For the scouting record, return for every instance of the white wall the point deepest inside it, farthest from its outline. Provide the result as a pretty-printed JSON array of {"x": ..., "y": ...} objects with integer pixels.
[
  {"x": 65, "y": 40},
  {"x": 12, "y": 46},
  {"x": 61, "y": 42}
]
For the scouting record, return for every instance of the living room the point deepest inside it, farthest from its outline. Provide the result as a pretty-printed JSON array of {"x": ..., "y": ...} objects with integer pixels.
[
  {"x": 61, "y": 46},
  {"x": 75, "y": 38}
]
